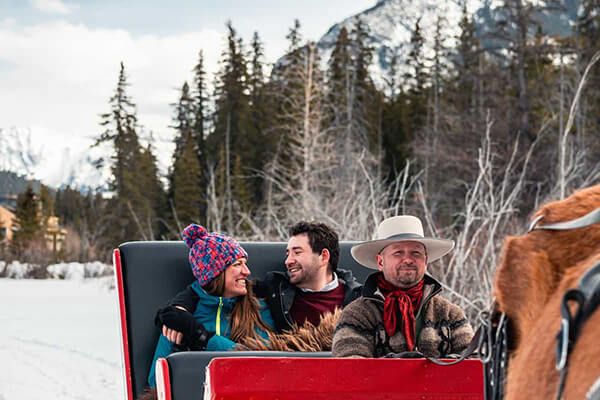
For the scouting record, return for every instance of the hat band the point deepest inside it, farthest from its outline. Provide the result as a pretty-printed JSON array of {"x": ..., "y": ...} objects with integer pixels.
[{"x": 404, "y": 236}]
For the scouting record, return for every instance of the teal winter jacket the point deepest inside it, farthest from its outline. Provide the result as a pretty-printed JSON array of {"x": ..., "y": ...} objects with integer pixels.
[{"x": 214, "y": 313}]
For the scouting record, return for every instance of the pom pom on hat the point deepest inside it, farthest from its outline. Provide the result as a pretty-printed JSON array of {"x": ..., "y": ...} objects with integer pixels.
[
  {"x": 210, "y": 253},
  {"x": 193, "y": 233}
]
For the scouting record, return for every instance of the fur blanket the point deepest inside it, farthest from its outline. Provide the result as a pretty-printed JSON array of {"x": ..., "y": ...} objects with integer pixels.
[{"x": 307, "y": 337}]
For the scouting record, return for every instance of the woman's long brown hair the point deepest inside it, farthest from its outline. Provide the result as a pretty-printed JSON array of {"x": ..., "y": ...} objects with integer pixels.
[{"x": 245, "y": 317}]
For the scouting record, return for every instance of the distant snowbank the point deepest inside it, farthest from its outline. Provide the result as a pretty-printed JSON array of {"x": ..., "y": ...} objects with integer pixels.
[
  {"x": 79, "y": 270},
  {"x": 59, "y": 340},
  {"x": 73, "y": 270}
]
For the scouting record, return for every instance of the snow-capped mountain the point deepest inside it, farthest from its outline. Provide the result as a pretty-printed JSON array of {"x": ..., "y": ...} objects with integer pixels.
[
  {"x": 17, "y": 152},
  {"x": 55, "y": 163},
  {"x": 391, "y": 23}
]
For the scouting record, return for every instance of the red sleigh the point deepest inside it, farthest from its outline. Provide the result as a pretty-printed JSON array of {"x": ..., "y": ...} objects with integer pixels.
[{"x": 148, "y": 274}]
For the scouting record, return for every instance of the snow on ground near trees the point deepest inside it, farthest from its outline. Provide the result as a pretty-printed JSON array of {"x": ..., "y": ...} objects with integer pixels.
[
  {"x": 59, "y": 339},
  {"x": 72, "y": 270}
]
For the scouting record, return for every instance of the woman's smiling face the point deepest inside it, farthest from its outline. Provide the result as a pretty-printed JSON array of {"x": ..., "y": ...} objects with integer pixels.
[{"x": 236, "y": 279}]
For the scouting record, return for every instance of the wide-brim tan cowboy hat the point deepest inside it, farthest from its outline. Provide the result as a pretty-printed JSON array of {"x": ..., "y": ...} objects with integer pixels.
[{"x": 402, "y": 228}]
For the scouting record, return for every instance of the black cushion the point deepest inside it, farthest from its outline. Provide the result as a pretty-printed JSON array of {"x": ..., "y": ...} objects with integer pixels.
[
  {"x": 153, "y": 272},
  {"x": 187, "y": 369}
]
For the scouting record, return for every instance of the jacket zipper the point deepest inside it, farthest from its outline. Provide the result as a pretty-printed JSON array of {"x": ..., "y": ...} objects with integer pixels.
[{"x": 218, "y": 322}]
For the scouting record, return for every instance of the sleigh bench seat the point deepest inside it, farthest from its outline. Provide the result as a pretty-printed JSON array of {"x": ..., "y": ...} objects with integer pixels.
[{"x": 181, "y": 376}]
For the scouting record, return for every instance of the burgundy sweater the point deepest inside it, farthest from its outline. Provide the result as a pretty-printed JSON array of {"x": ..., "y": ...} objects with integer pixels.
[{"x": 310, "y": 305}]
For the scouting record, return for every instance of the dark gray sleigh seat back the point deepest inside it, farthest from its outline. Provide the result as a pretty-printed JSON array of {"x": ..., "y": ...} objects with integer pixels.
[{"x": 153, "y": 272}]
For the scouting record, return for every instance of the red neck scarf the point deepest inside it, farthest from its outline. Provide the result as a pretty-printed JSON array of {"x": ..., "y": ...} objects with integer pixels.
[{"x": 400, "y": 302}]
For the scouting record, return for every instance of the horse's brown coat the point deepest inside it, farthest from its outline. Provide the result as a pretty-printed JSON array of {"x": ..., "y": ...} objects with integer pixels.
[{"x": 534, "y": 272}]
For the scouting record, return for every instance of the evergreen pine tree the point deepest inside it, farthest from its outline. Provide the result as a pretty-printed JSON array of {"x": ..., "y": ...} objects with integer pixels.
[
  {"x": 438, "y": 74},
  {"x": 230, "y": 136},
  {"x": 417, "y": 79},
  {"x": 353, "y": 103},
  {"x": 184, "y": 120},
  {"x": 515, "y": 30},
  {"x": 541, "y": 75},
  {"x": 339, "y": 103},
  {"x": 339, "y": 81},
  {"x": 285, "y": 84},
  {"x": 131, "y": 214},
  {"x": 395, "y": 134},
  {"x": 262, "y": 144},
  {"x": 200, "y": 96},
  {"x": 185, "y": 195},
  {"x": 367, "y": 104},
  {"x": 28, "y": 220},
  {"x": 394, "y": 138},
  {"x": 588, "y": 30},
  {"x": 69, "y": 206},
  {"x": 47, "y": 202},
  {"x": 465, "y": 64},
  {"x": 294, "y": 37},
  {"x": 152, "y": 209}
]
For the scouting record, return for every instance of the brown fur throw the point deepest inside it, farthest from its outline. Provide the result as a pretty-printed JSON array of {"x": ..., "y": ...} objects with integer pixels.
[{"x": 307, "y": 337}]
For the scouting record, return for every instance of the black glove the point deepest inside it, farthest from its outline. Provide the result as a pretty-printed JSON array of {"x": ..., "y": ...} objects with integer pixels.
[{"x": 195, "y": 336}]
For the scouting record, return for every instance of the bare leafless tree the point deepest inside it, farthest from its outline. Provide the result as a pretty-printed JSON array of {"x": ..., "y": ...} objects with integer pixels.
[
  {"x": 571, "y": 158},
  {"x": 489, "y": 213}
]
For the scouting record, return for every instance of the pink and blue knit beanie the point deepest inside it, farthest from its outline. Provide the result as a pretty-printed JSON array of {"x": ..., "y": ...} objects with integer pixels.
[{"x": 210, "y": 253}]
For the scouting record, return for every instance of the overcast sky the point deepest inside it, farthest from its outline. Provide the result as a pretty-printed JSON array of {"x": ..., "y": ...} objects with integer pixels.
[{"x": 59, "y": 59}]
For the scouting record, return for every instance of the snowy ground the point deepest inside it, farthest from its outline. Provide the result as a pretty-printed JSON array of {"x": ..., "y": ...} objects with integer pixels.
[{"x": 59, "y": 339}]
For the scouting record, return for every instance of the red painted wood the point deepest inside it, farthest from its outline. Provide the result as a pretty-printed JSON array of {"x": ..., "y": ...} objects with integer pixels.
[
  {"x": 123, "y": 317},
  {"x": 163, "y": 379},
  {"x": 342, "y": 378}
]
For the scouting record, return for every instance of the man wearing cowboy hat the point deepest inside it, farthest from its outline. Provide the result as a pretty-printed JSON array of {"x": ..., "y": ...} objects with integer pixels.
[{"x": 401, "y": 309}]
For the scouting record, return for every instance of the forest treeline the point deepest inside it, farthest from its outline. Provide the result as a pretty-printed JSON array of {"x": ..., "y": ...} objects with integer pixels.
[{"x": 470, "y": 138}]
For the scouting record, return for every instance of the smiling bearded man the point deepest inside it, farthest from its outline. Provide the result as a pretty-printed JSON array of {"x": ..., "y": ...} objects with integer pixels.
[
  {"x": 313, "y": 285},
  {"x": 401, "y": 308}
]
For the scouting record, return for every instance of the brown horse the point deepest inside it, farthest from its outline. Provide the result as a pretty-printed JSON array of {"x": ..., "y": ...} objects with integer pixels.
[{"x": 535, "y": 270}]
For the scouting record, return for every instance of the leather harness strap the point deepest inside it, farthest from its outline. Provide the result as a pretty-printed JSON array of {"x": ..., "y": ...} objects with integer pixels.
[
  {"x": 586, "y": 297},
  {"x": 590, "y": 218},
  {"x": 468, "y": 351},
  {"x": 594, "y": 392}
]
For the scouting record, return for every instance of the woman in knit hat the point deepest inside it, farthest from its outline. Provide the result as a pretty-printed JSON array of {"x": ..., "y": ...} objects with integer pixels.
[{"x": 227, "y": 311}]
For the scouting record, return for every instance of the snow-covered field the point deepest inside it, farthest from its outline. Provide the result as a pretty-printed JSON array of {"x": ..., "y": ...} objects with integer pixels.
[{"x": 59, "y": 339}]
